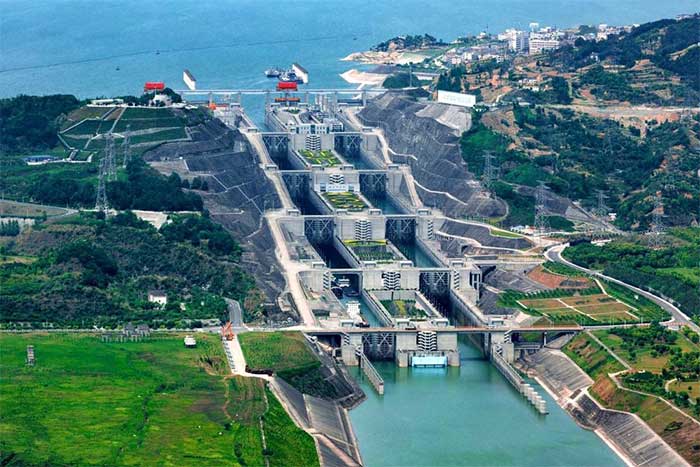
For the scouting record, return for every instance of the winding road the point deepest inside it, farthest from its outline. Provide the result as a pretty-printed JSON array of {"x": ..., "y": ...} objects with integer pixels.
[{"x": 554, "y": 254}]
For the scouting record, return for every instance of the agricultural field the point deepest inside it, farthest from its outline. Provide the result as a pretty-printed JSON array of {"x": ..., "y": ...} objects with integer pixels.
[
  {"x": 87, "y": 402},
  {"x": 574, "y": 298},
  {"x": 599, "y": 307},
  {"x": 551, "y": 279},
  {"x": 346, "y": 200},
  {"x": 325, "y": 158}
]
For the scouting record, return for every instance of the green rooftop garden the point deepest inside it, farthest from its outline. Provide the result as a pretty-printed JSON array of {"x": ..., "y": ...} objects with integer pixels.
[
  {"x": 346, "y": 200},
  {"x": 374, "y": 250},
  {"x": 325, "y": 158},
  {"x": 403, "y": 309}
]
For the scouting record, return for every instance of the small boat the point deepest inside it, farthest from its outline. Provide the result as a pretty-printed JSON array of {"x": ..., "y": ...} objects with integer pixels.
[
  {"x": 273, "y": 72},
  {"x": 118, "y": 68}
]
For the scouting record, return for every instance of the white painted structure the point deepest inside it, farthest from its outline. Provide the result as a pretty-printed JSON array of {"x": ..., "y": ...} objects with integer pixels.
[
  {"x": 189, "y": 80},
  {"x": 456, "y": 98}
]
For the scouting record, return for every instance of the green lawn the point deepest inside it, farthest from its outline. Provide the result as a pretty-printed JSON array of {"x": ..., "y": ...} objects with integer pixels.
[
  {"x": 277, "y": 351},
  {"x": 148, "y": 403}
]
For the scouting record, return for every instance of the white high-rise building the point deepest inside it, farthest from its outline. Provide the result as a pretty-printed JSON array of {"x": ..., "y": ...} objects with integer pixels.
[{"x": 517, "y": 40}]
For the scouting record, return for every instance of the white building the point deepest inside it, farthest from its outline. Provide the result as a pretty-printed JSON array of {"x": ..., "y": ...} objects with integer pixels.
[
  {"x": 158, "y": 296},
  {"x": 543, "y": 41},
  {"x": 517, "y": 40},
  {"x": 456, "y": 98}
]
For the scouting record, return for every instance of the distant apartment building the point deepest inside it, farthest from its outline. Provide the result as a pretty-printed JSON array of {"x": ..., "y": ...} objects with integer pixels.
[
  {"x": 517, "y": 40},
  {"x": 543, "y": 41}
]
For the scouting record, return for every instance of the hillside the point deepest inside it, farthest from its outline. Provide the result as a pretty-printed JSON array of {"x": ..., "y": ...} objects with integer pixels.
[
  {"x": 656, "y": 62},
  {"x": 577, "y": 155},
  {"x": 84, "y": 270}
]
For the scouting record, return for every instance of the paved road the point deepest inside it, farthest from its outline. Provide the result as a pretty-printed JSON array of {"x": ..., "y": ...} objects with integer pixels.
[{"x": 554, "y": 254}]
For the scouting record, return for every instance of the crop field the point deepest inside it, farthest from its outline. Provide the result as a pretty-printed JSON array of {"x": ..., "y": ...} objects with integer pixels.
[
  {"x": 600, "y": 308},
  {"x": 325, "y": 158},
  {"x": 154, "y": 402},
  {"x": 346, "y": 200}
]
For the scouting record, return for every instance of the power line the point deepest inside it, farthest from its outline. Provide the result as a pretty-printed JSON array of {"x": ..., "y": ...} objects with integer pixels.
[{"x": 178, "y": 50}]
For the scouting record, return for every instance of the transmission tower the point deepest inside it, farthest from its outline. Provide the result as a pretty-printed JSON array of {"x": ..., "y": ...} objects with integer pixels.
[
  {"x": 601, "y": 210},
  {"x": 541, "y": 223},
  {"x": 109, "y": 158},
  {"x": 490, "y": 171},
  {"x": 657, "y": 221},
  {"x": 101, "y": 201},
  {"x": 126, "y": 146}
]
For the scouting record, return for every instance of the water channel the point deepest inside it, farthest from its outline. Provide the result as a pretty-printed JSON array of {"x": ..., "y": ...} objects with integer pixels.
[{"x": 467, "y": 416}]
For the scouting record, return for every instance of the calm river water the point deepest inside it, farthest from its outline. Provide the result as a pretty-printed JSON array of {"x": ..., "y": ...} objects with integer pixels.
[{"x": 468, "y": 416}]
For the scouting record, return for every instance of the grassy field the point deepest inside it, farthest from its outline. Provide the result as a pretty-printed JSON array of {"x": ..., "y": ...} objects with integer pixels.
[
  {"x": 139, "y": 403},
  {"x": 645, "y": 357},
  {"x": 277, "y": 351}
]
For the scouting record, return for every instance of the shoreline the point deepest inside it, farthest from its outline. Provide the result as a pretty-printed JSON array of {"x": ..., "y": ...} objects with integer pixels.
[
  {"x": 598, "y": 431},
  {"x": 395, "y": 57}
]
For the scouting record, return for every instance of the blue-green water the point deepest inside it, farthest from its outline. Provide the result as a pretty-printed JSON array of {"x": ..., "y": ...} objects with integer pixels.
[
  {"x": 467, "y": 416},
  {"x": 52, "y": 46}
]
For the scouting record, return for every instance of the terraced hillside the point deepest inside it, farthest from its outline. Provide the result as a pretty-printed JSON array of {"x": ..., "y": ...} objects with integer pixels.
[{"x": 426, "y": 136}]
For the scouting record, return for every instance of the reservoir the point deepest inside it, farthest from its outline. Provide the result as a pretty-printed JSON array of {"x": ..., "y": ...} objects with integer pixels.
[{"x": 468, "y": 416}]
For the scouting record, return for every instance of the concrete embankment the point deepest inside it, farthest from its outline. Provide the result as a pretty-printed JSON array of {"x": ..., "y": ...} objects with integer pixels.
[
  {"x": 326, "y": 421},
  {"x": 625, "y": 433}
]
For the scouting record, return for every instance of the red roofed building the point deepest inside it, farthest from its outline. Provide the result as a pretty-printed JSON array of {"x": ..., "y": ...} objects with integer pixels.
[{"x": 153, "y": 86}]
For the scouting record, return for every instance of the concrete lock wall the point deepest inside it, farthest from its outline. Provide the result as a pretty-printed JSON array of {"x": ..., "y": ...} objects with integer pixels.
[
  {"x": 351, "y": 179},
  {"x": 393, "y": 179},
  {"x": 406, "y": 341},
  {"x": 345, "y": 226},
  {"x": 294, "y": 225},
  {"x": 447, "y": 341}
]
